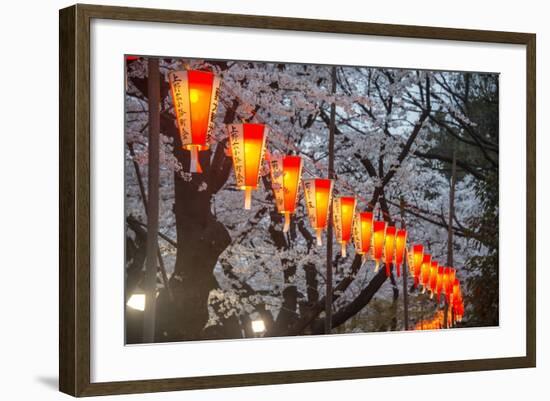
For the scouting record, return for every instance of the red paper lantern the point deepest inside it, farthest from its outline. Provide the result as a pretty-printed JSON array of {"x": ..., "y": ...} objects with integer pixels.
[
  {"x": 439, "y": 283},
  {"x": 455, "y": 290},
  {"x": 445, "y": 280},
  {"x": 362, "y": 233},
  {"x": 459, "y": 309},
  {"x": 425, "y": 271},
  {"x": 400, "y": 249},
  {"x": 452, "y": 277},
  {"x": 457, "y": 303},
  {"x": 446, "y": 289},
  {"x": 432, "y": 285},
  {"x": 343, "y": 210},
  {"x": 195, "y": 96},
  {"x": 318, "y": 194},
  {"x": 389, "y": 248},
  {"x": 451, "y": 274},
  {"x": 417, "y": 256},
  {"x": 247, "y": 148},
  {"x": 378, "y": 236},
  {"x": 286, "y": 172}
]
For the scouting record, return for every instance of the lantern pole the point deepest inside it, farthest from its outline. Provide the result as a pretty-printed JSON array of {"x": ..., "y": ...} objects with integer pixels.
[
  {"x": 328, "y": 297},
  {"x": 450, "y": 229},
  {"x": 144, "y": 201},
  {"x": 150, "y": 282},
  {"x": 405, "y": 271}
]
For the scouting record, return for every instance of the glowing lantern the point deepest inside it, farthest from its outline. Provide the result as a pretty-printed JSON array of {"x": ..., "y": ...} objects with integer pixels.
[
  {"x": 247, "y": 148},
  {"x": 457, "y": 303},
  {"x": 432, "y": 284},
  {"x": 389, "y": 248},
  {"x": 425, "y": 271},
  {"x": 446, "y": 289},
  {"x": 379, "y": 232},
  {"x": 448, "y": 283},
  {"x": 460, "y": 313},
  {"x": 400, "y": 248},
  {"x": 417, "y": 256},
  {"x": 362, "y": 233},
  {"x": 452, "y": 277},
  {"x": 459, "y": 309},
  {"x": 318, "y": 193},
  {"x": 456, "y": 290},
  {"x": 286, "y": 172},
  {"x": 195, "y": 95},
  {"x": 342, "y": 213},
  {"x": 439, "y": 282}
]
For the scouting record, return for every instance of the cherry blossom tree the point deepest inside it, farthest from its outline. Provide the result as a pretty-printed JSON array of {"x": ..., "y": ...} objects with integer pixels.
[{"x": 221, "y": 266}]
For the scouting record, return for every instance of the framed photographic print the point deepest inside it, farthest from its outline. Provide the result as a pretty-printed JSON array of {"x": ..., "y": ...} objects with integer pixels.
[{"x": 251, "y": 200}]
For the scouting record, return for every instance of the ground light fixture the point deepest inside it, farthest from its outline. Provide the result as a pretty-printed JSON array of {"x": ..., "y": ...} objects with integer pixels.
[
  {"x": 258, "y": 326},
  {"x": 136, "y": 301}
]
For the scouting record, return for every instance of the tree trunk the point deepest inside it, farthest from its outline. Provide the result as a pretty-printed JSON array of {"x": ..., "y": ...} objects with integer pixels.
[
  {"x": 201, "y": 239},
  {"x": 288, "y": 314}
]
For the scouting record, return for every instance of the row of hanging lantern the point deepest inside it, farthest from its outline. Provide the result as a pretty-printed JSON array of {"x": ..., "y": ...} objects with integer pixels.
[
  {"x": 436, "y": 279},
  {"x": 388, "y": 243},
  {"x": 444, "y": 318},
  {"x": 195, "y": 95}
]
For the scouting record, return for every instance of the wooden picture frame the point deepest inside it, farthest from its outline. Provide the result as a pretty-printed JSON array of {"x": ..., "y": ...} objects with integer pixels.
[{"x": 75, "y": 206}]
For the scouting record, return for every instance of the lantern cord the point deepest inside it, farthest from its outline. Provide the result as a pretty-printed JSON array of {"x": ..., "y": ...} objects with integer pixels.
[
  {"x": 344, "y": 254},
  {"x": 195, "y": 166},
  {"x": 247, "y": 198},
  {"x": 319, "y": 232},
  {"x": 377, "y": 266},
  {"x": 287, "y": 222}
]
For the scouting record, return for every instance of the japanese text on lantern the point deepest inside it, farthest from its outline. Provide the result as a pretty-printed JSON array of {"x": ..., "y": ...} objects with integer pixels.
[
  {"x": 213, "y": 109},
  {"x": 337, "y": 217},
  {"x": 235, "y": 138},
  {"x": 309, "y": 191},
  {"x": 277, "y": 181},
  {"x": 180, "y": 95}
]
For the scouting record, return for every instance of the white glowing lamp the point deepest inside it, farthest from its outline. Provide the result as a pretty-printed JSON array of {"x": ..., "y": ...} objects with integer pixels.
[
  {"x": 258, "y": 326},
  {"x": 137, "y": 302}
]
